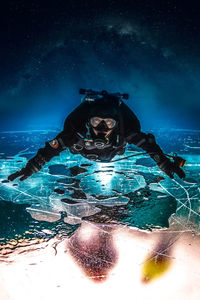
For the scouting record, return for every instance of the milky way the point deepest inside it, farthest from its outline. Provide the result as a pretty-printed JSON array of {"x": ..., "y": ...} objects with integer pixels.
[{"x": 149, "y": 50}]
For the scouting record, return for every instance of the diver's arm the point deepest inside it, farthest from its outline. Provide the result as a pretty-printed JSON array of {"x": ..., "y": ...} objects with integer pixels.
[
  {"x": 148, "y": 143},
  {"x": 51, "y": 149}
]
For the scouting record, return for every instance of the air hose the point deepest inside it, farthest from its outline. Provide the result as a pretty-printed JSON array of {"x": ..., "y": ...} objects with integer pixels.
[{"x": 178, "y": 160}]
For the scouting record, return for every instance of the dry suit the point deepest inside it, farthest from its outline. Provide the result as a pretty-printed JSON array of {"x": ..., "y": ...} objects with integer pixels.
[{"x": 78, "y": 136}]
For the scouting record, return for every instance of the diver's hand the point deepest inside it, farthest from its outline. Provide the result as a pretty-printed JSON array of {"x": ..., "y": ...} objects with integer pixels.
[
  {"x": 170, "y": 168},
  {"x": 34, "y": 165},
  {"x": 23, "y": 173}
]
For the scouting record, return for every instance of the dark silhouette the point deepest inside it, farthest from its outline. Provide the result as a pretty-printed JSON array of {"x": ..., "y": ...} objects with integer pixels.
[{"x": 98, "y": 129}]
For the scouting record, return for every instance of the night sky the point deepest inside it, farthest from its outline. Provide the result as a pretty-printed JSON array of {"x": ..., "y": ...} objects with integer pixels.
[{"x": 50, "y": 49}]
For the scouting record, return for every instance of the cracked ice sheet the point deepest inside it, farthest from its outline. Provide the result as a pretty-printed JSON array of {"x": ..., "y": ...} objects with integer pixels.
[
  {"x": 109, "y": 187},
  {"x": 110, "y": 184},
  {"x": 136, "y": 178}
]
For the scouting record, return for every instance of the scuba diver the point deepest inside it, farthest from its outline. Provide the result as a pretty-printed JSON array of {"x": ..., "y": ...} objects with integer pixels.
[{"x": 99, "y": 129}]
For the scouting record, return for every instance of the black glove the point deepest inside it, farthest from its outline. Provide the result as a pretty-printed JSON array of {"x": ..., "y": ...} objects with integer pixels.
[
  {"x": 23, "y": 173},
  {"x": 33, "y": 166},
  {"x": 170, "y": 168}
]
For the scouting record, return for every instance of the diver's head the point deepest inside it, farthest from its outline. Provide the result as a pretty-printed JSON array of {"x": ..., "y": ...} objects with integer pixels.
[{"x": 104, "y": 116}]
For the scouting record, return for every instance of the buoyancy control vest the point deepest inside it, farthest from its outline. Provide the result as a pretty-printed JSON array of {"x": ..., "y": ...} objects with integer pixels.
[{"x": 98, "y": 149}]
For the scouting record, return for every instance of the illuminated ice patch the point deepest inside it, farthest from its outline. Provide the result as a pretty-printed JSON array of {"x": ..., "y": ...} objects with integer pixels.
[{"x": 105, "y": 176}]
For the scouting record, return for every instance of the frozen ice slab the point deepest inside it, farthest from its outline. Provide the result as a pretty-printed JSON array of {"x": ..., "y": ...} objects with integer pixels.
[{"x": 132, "y": 191}]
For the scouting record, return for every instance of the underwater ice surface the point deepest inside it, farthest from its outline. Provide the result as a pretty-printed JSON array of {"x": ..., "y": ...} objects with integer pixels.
[{"x": 70, "y": 188}]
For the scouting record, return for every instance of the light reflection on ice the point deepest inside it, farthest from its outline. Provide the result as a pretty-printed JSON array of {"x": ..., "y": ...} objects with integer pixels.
[
  {"x": 104, "y": 183},
  {"x": 104, "y": 176}
]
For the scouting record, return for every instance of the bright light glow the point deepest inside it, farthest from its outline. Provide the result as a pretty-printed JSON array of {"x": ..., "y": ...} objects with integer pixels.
[
  {"x": 43, "y": 275},
  {"x": 86, "y": 232},
  {"x": 105, "y": 175}
]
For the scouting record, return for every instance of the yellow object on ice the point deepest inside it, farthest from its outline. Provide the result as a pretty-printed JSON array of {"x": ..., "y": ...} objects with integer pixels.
[{"x": 155, "y": 267}]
